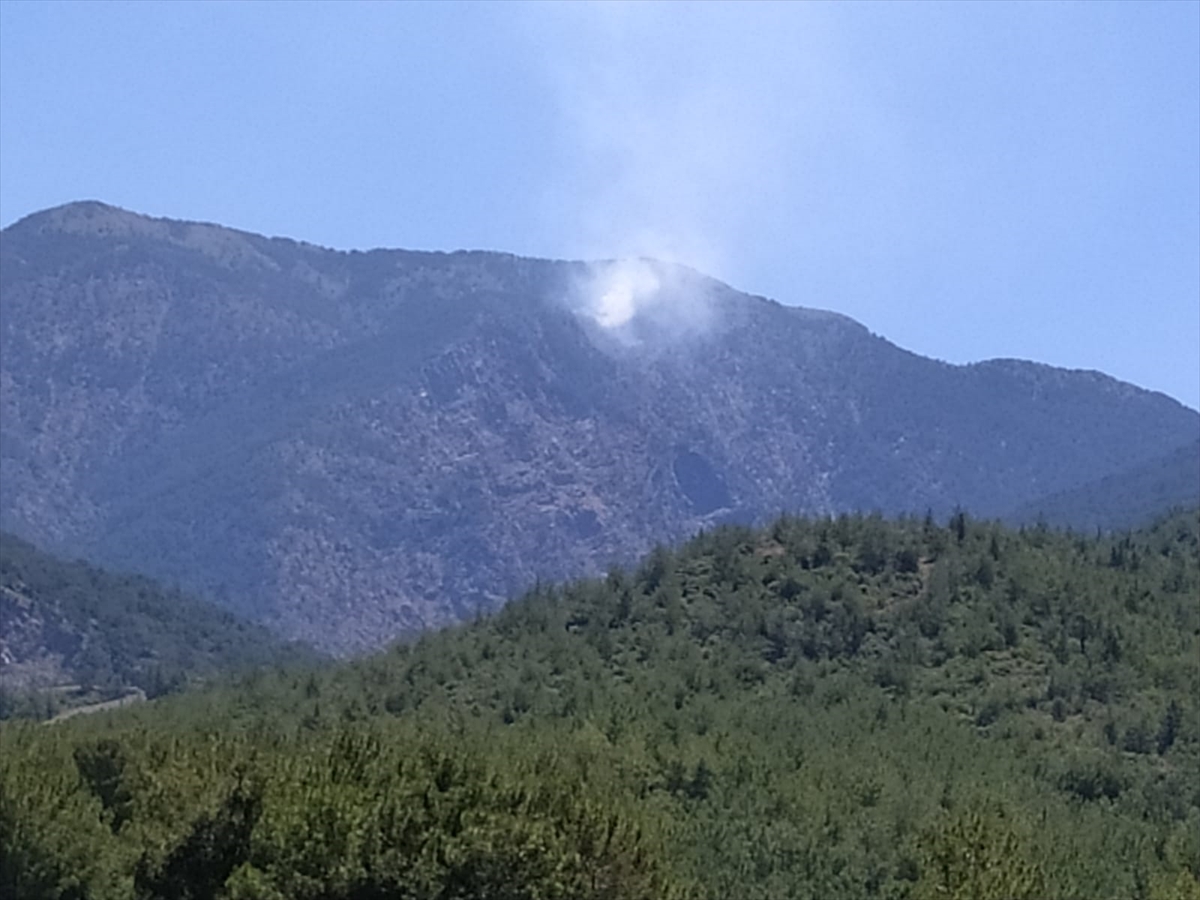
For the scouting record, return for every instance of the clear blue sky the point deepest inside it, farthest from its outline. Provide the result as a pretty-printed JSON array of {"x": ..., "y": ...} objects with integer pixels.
[{"x": 970, "y": 180}]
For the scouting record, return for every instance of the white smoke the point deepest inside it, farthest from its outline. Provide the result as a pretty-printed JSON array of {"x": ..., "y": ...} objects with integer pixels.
[
  {"x": 675, "y": 122},
  {"x": 618, "y": 290},
  {"x": 638, "y": 300}
]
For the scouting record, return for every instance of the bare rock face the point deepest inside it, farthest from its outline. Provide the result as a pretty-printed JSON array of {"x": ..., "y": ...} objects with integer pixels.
[{"x": 351, "y": 446}]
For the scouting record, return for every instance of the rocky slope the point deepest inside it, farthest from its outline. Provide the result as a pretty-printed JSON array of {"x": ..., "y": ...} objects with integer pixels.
[{"x": 348, "y": 446}]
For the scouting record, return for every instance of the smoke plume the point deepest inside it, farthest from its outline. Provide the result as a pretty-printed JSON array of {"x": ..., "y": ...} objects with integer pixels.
[{"x": 672, "y": 151}]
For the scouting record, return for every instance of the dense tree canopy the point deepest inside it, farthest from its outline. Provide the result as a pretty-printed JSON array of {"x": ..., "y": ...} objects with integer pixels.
[{"x": 820, "y": 709}]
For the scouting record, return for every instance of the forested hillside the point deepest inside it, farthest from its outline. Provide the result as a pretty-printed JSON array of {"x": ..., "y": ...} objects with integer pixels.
[
  {"x": 824, "y": 709},
  {"x": 72, "y": 633}
]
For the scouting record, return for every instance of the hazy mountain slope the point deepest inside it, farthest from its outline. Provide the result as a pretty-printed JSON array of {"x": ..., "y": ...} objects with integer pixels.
[
  {"x": 1128, "y": 499},
  {"x": 348, "y": 445},
  {"x": 69, "y": 623}
]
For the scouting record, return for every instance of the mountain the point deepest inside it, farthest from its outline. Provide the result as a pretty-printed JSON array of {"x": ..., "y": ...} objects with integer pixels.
[
  {"x": 816, "y": 710},
  {"x": 73, "y": 632},
  {"x": 349, "y": 446},
  {"x": 1127, "y": 499}
]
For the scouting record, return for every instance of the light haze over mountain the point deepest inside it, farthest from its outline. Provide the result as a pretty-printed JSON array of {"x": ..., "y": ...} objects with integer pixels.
[
  {"x": 352, "y": 446},
  {"x": 972, "y": 180}
]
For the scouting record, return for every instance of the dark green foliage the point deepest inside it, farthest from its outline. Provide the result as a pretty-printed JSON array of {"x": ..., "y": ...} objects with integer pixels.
[
  {"x": 1171, "y": 722},
  {"x": 980, "y": 856},
  {"x": 355, "y": 813},
  {"x": 102, "y": 769},
  {"x": 199, "y": 866},
  {"x": 823, "y": 709}
]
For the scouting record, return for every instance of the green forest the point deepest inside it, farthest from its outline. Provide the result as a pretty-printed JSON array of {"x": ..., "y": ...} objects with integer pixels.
[{"x": 822, "y": 708}]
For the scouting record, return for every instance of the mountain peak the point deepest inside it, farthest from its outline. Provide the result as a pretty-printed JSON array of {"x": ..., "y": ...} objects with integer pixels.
[
  {"x": 81, "y": 217},
  {"x": 95, "y": 220}
]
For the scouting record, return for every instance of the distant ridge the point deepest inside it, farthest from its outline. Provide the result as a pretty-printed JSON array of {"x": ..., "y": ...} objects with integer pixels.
[
  {"x": 1128, "y": 499},
  {"x": 73, "y": 629}
]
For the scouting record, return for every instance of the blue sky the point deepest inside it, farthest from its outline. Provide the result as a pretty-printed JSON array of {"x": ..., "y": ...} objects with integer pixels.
[{"x": 970, "y": 180}]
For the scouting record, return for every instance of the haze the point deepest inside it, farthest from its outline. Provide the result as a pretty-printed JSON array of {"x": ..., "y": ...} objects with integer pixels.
[{"x": 969, "y": 180}]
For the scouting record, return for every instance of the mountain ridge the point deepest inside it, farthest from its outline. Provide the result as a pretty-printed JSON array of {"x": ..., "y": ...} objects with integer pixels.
[
  {"x": 1127, "y": 499},
  {"x": 352, "y": 445}
]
